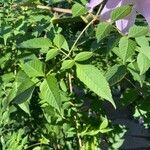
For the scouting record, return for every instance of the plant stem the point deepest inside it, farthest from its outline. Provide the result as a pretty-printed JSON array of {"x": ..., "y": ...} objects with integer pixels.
[
  {"x": 86, "y": 27},
  {"x": 70, "y": 83},
  {"x": 78, "y": 136},
  {"x": 36, "y": 144},
  {"x": 55, "y": 9}
]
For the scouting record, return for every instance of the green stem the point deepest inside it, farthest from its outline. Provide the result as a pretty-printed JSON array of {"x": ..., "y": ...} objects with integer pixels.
[{"x": 76, "y": 41}]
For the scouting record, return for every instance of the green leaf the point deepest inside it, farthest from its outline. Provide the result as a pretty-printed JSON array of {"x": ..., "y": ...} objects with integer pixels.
[
  {"x": 67, "y": 64},
  {"x": 126, "y": 48},
  {"x": 134, "y": 70},
  {"x": 33, "y": 67},
  {"x": 142, "y": 41},
  {"x": 61, "y": 42},
  {"x": 25, "y": 107},
  {"x": 78, "y": 10},
  {"x": 121, "y": 12},
  {"x": 24, "y": 92},
  {"x": 104, "y": 124},
  {"x": 115, "y": 74},
  {"x": 83, "y": 56},
  {"x": 50, "y": 93},
  {"x": 145, "y": 50},
  {"x": 95, "y": 81},
  {"x": 137, "y": 31},
  {"x": 36, "y": 43},
  {"x": 101, "y": 129},
  {"x": 143, "y": 63},
  {"x": 103, "y": 30},
  {"x": 63, "y": 85},
  {"x": 105, "y": 130},
  {"x": 22, "y": 77},
  {"x": 115, "y": 50},
  {"x": 51, "y": 54}
]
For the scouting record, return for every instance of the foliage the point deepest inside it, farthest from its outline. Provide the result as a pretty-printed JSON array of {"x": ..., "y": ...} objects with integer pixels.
[{"x": 58, "y": 70}]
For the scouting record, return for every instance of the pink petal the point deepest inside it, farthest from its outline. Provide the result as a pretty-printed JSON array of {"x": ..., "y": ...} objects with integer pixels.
[
  {"x": 143, "y": 7},
  {"x": 124, "y": 24},
  {"x": 92, "y": 4}
]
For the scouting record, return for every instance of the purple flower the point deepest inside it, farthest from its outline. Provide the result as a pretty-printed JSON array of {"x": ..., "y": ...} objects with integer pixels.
[
  {"x": 140, "y": 6},
  {"x": 92, "y": 4}
]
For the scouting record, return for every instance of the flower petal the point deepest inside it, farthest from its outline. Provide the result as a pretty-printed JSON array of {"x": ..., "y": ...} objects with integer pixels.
[
  {"x": 92, "y": 4},
  {"x": 124, "y": 24},
  {"x": 143, "y": 7},
  {"x": 110, "y": 5}
]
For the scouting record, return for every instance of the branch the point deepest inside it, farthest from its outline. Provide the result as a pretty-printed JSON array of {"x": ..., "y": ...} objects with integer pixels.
[{"x": 55, "y": 9}]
